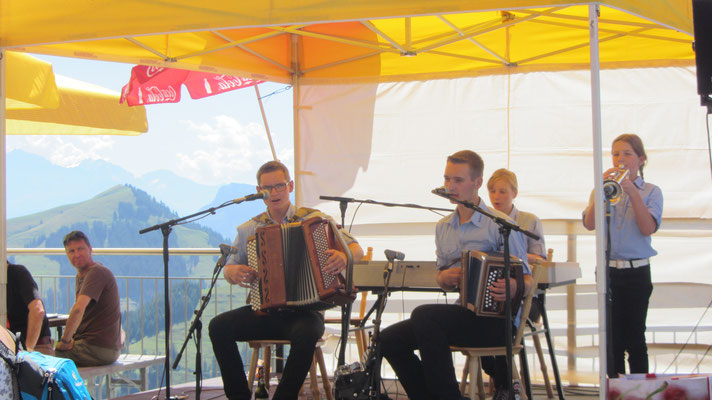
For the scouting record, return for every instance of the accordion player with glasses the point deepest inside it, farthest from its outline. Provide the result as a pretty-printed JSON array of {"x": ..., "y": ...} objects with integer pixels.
[
  {"x": 481, "y": 269},
  {"x": 289, "y": 260}
]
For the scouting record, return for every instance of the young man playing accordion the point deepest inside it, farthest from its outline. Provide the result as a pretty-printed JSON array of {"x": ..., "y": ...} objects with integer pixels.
[
  {"x": 301, "y": 327},
  {"x": 433, "y": 328}
]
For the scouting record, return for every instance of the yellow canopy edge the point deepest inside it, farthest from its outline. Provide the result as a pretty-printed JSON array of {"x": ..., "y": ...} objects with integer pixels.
[
  {"x": 369, "y": 40},
  {"x": 31, "y": 84}
]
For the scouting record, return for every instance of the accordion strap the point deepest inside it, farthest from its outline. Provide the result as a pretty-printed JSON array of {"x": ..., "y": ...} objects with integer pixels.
[
  {"x": 519, "y": 293},
  {"x": 299, "y": 215}
]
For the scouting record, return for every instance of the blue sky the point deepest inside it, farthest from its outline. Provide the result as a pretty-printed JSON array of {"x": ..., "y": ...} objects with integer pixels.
[{"x": 215, "y": 140}]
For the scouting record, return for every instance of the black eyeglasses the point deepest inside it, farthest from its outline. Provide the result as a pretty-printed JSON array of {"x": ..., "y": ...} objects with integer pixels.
[{"x": 278, "y": 187}]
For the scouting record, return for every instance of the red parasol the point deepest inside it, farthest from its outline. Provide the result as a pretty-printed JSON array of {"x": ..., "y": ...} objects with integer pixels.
[{"x": 152, "y": 85}]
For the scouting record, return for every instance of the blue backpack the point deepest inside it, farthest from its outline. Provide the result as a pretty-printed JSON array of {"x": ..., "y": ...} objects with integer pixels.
[{"x": 42, "y": 377}]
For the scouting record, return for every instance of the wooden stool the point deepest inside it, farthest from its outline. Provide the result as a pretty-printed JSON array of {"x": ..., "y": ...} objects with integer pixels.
[{"x": 256, "y": 345}]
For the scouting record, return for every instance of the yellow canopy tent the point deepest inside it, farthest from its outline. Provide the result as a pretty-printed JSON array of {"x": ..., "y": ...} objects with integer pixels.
[
  {"x": 312, "y": 40},
  {"x": 317, "y": 42}
]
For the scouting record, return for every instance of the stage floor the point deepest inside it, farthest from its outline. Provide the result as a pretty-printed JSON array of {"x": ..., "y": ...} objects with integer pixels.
[{"x": 212, "y": 390}]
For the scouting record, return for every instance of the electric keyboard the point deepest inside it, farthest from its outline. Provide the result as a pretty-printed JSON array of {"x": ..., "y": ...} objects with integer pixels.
[
  {"x": 420, "y": 275},
  {"x": 558, "y": 273},
  {"x": 406, "y": 275}
]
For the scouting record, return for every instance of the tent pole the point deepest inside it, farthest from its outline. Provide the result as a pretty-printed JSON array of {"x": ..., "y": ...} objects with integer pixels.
[
  {"x": 593, "y": 10},
  {"x": 264, "y": 119},
  {"x": 297, "y": 120},
  {"x": 3, "y": 191}
]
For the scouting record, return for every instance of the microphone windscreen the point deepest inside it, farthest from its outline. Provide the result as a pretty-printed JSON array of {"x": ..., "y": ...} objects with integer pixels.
[
  {"x": 392, "y": 254},
  {"x": 226, "y": 249}
]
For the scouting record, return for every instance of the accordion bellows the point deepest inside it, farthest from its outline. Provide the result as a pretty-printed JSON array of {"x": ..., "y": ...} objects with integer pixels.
[{"x": 289, "y": 259}]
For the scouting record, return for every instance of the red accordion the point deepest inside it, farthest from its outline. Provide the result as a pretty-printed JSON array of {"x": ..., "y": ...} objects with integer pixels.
[{"x": 289, "y": 259}]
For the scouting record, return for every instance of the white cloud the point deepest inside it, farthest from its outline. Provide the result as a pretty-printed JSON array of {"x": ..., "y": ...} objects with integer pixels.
[
  {"x": 65, "y": 151},
  {"x": 226, "y": 151},
  {"x": 219, "y": 151}
]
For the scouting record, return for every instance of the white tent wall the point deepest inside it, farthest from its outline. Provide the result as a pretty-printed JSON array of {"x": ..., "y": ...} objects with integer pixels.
[{"x": 394, "y": 137}]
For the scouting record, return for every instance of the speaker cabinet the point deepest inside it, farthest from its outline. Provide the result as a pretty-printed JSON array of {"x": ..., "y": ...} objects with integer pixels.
[{"x": 702, "y": 16}]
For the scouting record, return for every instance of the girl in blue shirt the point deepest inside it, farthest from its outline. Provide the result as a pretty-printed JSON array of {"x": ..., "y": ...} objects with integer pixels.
[{"x": 634, "y": 218}]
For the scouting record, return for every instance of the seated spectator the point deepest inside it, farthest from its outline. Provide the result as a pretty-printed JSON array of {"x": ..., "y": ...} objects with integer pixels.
[
  {"x": 25, "y": 311},
  {"x": 93, "y": 332}
]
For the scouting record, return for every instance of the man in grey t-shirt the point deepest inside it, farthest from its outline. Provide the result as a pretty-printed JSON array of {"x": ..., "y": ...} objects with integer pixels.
[{"x": 93, "y": 332}]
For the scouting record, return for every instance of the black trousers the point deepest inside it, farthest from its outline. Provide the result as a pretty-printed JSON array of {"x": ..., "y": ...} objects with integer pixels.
[
  {"x": 302, "y": 328},
  {"x": 432, "y": 329},
  {"x": 630, "y": 293}
]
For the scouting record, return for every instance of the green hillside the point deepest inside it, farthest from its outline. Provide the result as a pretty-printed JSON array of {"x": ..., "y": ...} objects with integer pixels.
[{"x": 111, "y": 216}]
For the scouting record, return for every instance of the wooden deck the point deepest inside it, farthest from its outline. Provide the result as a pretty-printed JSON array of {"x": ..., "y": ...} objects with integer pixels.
[{"x": 212, "y": 390}]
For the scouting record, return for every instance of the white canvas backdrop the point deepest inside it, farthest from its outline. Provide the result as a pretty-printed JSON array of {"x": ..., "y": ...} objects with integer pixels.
[{"x": 388, "y": 142}]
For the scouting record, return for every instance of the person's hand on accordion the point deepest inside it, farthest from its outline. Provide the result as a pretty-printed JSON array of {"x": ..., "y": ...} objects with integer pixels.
[
  {"x": 449, "y": 278},
  {"x": 336, "y": 262},
  {"x": 239, "y": 274},
  {"x": 498, "y": 289}
]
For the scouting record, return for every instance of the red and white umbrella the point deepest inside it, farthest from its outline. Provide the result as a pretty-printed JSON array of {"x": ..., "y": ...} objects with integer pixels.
[{"x": 155, "y": 85}]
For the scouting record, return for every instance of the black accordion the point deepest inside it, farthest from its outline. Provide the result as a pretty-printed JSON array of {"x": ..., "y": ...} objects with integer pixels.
[
  {"x": 289, "y": 259},
  {"x": 479, "y": 271}
]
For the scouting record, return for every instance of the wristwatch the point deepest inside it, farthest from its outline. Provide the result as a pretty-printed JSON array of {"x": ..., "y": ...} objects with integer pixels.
[{"x": 67, "y": 342}]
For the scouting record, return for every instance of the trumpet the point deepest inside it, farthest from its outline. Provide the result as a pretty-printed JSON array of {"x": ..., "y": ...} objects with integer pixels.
[{"x": 612, "y": 186}]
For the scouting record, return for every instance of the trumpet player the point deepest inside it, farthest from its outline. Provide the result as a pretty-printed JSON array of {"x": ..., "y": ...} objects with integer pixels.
[{"x": 635, "y": 216}]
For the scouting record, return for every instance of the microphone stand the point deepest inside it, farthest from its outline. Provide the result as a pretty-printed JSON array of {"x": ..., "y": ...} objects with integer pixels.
[
  {"x": 346, "y": 309},
  {"x": 166, "y": 228},
  {"x": 197, "y": 326},
  {"x": 371, "y": 386},
  {"x": 610, "y": 364},
  {"x": 505, "y": 229},
  {"x": 343, "y": 202},
  {"x": 374, "y": 357}
]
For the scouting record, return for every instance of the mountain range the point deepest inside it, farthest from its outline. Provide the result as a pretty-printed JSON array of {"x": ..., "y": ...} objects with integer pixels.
[{"x": 35, "y": 185}]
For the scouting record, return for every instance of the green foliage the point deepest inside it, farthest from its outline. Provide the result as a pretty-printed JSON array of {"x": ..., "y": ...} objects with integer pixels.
[{"x": 182, "y": 297}]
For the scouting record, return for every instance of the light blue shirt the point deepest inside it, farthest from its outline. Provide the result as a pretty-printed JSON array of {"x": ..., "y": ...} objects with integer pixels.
[
  {"x": 532, "y": 223},
  {"x": 479, "y": 233},
  {"x": 249, "y": 228},
  {"x": 627, "y": 242}
]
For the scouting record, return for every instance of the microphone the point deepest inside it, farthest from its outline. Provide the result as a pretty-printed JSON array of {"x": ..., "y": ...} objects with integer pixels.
[
  {"x": 392, "y": 254},
  {"x": 333, "y": 198},
  {"x": 441, "y": 191},
  {"x": 610, "y": 189},
  {"x": 261, "y": 195},
  {"x": 226, "y": 249}
]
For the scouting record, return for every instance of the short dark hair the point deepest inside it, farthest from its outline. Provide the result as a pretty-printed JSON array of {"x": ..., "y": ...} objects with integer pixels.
[
  {"x": 470, "y": 158},
  {"x": 75, "y": 235},
  {"x": 271, "y": 166}
]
